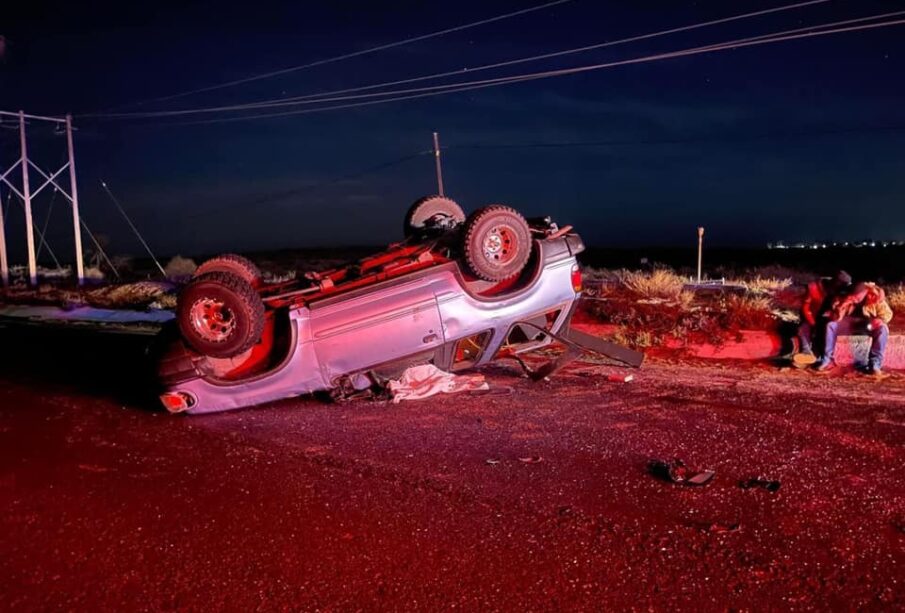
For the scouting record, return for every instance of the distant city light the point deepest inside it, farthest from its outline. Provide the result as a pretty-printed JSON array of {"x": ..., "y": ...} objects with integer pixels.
[{"x": 845, "y": 244}]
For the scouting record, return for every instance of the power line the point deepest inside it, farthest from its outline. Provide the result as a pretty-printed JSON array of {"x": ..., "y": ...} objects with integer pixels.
[
  {"x": 134, "y": 229},
  {"x": 483, "y": 84},
  {"x": 324, "y": 96},
  {"x": 43, "y": 243},
  {"x": 680, "y": 141},
  {"x": 347, "y": 56}
]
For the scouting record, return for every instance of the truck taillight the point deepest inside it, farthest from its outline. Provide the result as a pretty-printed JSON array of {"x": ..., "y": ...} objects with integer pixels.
[
  {"x": 576, "y": 278},
  {"x": 177, "y": 402}
]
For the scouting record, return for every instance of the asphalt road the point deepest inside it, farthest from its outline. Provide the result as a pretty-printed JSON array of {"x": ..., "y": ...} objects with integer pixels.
[{"x": 529, "y": 497}]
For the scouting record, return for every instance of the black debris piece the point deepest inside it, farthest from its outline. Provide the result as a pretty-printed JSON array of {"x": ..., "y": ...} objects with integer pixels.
[
  {"x": 768, "y": 484},
  {"x": 675, "y": 471}
]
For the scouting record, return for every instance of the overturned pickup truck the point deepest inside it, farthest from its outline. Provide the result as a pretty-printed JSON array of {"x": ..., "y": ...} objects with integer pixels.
[{"x": 456, "y": 293}]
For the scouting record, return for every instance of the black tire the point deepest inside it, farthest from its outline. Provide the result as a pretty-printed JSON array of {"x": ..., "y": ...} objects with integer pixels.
[
  {"x": 496, "y": 242},
  {"x": 240, "y": 266},
  {"x": 220, "y": 315},
  {"x": 425, "y": 208}
]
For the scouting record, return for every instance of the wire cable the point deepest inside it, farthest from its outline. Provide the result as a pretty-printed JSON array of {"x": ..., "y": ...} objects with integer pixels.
[
  {"x": 483, "y": 84},
  {"x": 346, "y": 56},
  {"x": 813, "y": 28},
  {"x": 324, "y": 96},
  {"x": 134, "y": 229}
]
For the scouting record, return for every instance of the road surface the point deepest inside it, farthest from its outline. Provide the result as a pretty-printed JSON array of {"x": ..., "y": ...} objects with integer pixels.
[{"x": 527, "y": 497}]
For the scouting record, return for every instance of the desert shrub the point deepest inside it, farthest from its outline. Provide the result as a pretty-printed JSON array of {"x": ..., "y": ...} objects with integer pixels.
[
  {"x": 124, "y": 264},
  {"x": 896, "y": 298},
  {"x": 764, "y": 285},
  {"x": 132, "y": 295},
  {"x": 797, "y": 277},
  {"x": 748, "y": 311},
  {"x": 661, "y": 283},
  {"x": 94, "y": 273},
  {"x": 180, "y": 268},
  {"x": 651, "y": 308}
]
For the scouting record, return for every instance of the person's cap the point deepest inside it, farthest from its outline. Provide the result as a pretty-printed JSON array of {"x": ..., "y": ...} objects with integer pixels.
[{"x": 842, "y": 279}]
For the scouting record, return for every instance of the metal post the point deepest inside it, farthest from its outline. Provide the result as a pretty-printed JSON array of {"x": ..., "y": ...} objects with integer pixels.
[
  {"x": 700, "y": 250},
  {"x": 26, "y": 197},
  {"x": 76, "y": 226},
  {"x": 439, "y": 169},
  {"x": 4, "y": 263}
]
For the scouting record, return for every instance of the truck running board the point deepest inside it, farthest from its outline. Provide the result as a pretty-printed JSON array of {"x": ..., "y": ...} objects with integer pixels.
[
  {"x": 575, "y": 342},
  {"x": 627, "y": 356}
]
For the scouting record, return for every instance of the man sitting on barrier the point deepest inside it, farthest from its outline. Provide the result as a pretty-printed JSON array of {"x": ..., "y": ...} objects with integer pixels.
[{"x": 864, "y": 311}]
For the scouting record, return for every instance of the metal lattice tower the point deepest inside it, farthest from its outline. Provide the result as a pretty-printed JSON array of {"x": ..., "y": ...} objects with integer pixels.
[{"x": 27, "y": 167}]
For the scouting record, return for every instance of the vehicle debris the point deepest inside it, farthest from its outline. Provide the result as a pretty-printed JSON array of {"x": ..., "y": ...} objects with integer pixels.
[
  {"x": 770, "y": 485},
  {"x": 675, "y": 471},
  {"x": 619, "y": 378},
  {"x": 534, "y": 459}
]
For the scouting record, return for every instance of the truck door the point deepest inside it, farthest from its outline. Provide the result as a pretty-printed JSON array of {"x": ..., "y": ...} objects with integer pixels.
[{"x": 381, "y": 324}]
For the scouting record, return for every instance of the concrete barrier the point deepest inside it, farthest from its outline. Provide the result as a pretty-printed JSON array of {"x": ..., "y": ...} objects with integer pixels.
[{"x": 761, "y": 345}]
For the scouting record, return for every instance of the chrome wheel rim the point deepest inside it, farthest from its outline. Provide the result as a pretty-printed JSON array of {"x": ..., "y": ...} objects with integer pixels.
[
  {"x": 212, "y": 319},
  {"x": 499, "y": 245}
]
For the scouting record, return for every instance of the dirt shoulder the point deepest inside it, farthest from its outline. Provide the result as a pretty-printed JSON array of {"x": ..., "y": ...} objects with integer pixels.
[{"x": 428, "y": 505}]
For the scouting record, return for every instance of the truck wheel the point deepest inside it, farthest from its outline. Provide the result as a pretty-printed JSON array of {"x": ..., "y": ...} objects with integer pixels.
[
  {"x": 240, "y": 266},
  {"x": 424, "y": 211},
  {"x": 220, "y": 315},
  {"x": 496, "y": 242}
]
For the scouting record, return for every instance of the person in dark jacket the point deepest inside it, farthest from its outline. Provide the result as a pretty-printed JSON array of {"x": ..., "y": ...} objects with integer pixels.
[{"x": 820, "y": 297}]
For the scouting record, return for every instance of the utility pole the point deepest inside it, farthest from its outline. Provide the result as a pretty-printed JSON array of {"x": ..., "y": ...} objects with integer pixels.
[
  {"x": 26, "y": 197},
  {"x": 439, "y": 167},
  {"x": 74, "y": 193},
  {"x": 4, "y": 263},
  {"x": 700, "y": 250}
]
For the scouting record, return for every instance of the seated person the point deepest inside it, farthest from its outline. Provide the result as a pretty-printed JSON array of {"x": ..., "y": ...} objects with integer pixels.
[
  {"x": 863, "y": 311},
  {"x": 819, "y": 299}
]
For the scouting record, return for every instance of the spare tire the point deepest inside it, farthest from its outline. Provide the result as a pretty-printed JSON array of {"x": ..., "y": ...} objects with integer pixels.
[
  {"x": 496, "y": 242},
  {"x": 220, "y": 315},
  {"x": 425, "y": 209},
  {"x": 240, "y": 266}
]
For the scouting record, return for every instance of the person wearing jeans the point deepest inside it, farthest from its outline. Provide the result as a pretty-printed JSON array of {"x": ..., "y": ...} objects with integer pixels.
[
  {"x": 864, "y": 312},
  {"x": 819, "y": 298}
]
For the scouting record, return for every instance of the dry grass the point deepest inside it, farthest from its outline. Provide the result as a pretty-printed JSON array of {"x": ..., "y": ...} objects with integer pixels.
[
  {"x": 764, "y": 285},
  {"x": 662, "y": 284},
  {"x": 652, "y": 308},
  {"x": 896, "y": 298},
  {"x": 749, "y": 311},
  {"x": 180, "y": 268}
]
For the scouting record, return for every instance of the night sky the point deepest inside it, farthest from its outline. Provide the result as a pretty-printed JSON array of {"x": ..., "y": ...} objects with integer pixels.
[{"x": 797, "y": 140}]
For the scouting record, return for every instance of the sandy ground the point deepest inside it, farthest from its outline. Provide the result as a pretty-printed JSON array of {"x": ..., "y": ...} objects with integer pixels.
[{"x": 529, "y": 497}]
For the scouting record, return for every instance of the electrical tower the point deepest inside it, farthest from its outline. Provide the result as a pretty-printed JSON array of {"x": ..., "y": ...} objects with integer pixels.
[{"x": 26, "y": 168}]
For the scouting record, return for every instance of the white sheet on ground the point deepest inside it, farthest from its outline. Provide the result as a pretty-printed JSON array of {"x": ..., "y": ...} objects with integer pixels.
[{"x": 426, "y": 380}]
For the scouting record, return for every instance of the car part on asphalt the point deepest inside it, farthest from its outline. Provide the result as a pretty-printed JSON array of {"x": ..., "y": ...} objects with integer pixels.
[
  {"x": 676, "y": 472},
  {"x": 770, "y": 485}
]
